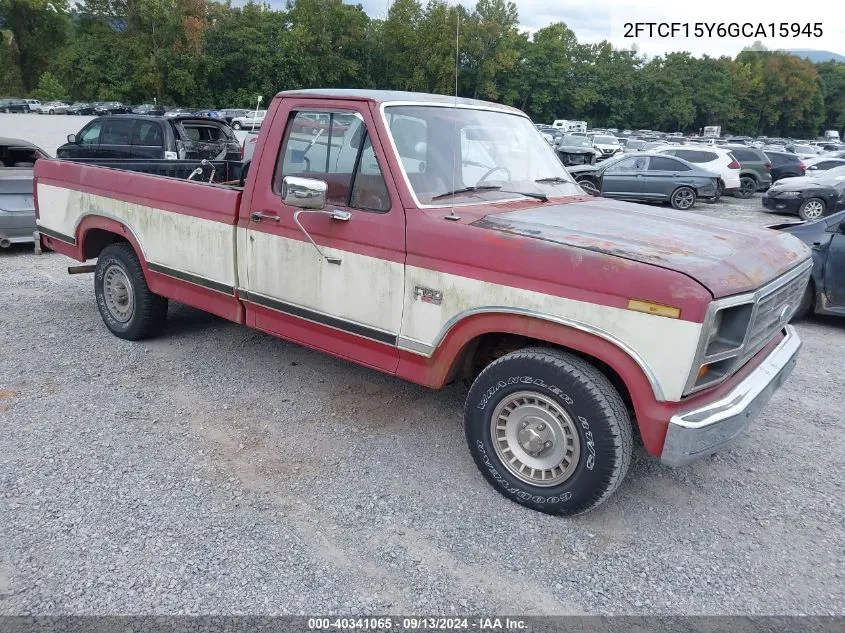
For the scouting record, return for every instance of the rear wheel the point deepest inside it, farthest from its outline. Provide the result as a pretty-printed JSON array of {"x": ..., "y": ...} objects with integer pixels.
[
  {"x": 812, "y": 209},
  {"x": 128, "y": 307},
  {"x": 236, "y": 125},
  {"x": 682, "y": 198},
  {"x": 590, "y": 186},
  {"x": 747, "y": 187},
  {"x": 548, "y": 431}
]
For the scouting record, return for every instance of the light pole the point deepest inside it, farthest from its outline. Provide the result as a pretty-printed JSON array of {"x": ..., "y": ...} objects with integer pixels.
[{"x": 257, "y": 106}]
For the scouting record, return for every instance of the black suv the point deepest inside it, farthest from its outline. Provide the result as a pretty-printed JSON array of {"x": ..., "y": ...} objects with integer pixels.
[
  {"x": 785, "y": 165},
  {"x": 754, "y": 170},
  {"x": 125, "y": 137},
  {"x": 13, "y": 105}
]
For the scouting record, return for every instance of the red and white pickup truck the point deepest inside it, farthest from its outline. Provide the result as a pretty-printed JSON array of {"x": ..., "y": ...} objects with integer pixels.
[{"x": 439, "y": 239}]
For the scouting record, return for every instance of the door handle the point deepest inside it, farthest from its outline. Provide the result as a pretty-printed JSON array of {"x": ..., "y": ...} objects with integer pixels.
[
  {"x": 257, "y": 216},
  {"x": 337, "y": 214}
]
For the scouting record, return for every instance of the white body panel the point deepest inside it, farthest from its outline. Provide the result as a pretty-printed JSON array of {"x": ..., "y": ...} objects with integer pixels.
[{"x": 367, "y": 290}]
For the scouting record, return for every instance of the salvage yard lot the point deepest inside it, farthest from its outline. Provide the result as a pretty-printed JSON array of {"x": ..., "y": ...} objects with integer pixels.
[{"x": 217, "y": 469}]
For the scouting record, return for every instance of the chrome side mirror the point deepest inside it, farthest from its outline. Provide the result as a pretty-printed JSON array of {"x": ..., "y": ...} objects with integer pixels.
[
  {"x": 304, "y": 193},
  {"x": 71, "y": 138}
]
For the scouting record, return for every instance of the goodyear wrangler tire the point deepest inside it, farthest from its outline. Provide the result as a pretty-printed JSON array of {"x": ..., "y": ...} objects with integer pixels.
[
  {"x": 548, "y": 431},
  {"x": 128, "y": 307}
]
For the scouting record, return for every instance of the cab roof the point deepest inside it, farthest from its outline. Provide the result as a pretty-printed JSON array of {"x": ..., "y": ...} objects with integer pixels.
[{"x": 385, "y": 96}]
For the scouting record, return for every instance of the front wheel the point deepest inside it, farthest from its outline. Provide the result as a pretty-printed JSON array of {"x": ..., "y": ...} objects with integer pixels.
[
  {"x": 683, "y": 198},
  {"x": 747, "y": 187},
  {"x": 548, "y": 431},
  {"x": 812, "y": 209},
  {"x": 236, "y": 125},
  {"x": 128, "y": 307}
]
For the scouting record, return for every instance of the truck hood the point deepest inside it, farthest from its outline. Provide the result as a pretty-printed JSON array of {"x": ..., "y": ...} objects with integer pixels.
[{"x": 725, "y": 257}]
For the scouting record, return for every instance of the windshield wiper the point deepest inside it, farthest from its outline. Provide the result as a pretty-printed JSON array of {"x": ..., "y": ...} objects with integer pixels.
[
  {"x": 553, "y": 179},
  {"x": 528, "y": 194}
]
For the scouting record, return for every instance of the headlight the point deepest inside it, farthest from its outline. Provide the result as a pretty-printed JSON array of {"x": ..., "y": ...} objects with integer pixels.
[
  {"x": 789, "y": 194},
  {"x": 722, "y": 341}
]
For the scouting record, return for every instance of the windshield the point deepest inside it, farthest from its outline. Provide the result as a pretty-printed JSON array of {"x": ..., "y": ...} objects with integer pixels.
[
  {"x": 605, "y": 140},
  {"x": 580, "y": 141},
  {"x": 804, "y": 149},
  {"x": 470, "y": 154},
  {"x": 832, "y": 177}
]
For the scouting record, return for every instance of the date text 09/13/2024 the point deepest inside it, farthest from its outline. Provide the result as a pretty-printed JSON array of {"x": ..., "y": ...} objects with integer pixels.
[
  {"x": 421, "y": 623},
  {"x": 722, "y": 29}
]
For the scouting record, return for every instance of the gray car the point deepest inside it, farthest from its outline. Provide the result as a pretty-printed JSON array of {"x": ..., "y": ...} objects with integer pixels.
[
  {"x": 17, "y": 208},
  {"x": 648, "y": 177}
]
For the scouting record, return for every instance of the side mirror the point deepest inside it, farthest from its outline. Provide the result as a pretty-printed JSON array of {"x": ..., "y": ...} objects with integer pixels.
[
  {"x": 71, "y": 138},
  {"x": 304, "y": 193}
]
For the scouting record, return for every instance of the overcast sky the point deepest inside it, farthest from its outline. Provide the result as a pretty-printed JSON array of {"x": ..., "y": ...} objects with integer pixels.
[{"x": 596, "y": 20}]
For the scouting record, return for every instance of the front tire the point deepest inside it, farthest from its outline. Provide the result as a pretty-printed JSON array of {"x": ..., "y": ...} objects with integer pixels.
[
  {"x": 128, "y": 307},
  {"x": 683, "y": 198},
  {"x": 236, "y": 125},
  {"x": 548, "y": 431},
  {"x": 812, "y": 209}
]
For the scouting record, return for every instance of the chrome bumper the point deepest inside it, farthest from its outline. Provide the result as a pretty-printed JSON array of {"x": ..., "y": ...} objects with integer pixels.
[{"x": 700, "y": 432}]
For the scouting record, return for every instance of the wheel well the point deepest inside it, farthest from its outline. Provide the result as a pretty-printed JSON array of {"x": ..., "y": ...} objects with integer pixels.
[
  {"x": 749, "y": 174},
  {"x": 96, "y": 240},
  {"x": 484, "y": 349}
]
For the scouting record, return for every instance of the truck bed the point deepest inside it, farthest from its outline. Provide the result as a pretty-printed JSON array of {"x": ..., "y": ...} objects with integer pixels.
[{"x": 225, "y": 171}]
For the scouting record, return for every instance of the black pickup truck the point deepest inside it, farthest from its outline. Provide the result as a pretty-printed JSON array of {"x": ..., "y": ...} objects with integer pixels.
[{"x": 144, "y": 137}]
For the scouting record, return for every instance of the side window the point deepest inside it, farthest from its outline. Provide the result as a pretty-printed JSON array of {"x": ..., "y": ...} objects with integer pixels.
[
  {"x": 776, "y": 160},
  {"x": 627, "y": 165},
  {"x": 334, "y": 147},
  {"x": 659, "y": 163},
  {"x": 91, "y": 134},
  {"x": 117, "y": 132},
  {"x": 147, "y": 133}
]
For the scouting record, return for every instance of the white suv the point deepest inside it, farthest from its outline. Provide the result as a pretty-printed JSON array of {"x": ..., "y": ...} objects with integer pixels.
[
  {"x": 716, "y": 159},
  {"x": 606, "y": 145}
]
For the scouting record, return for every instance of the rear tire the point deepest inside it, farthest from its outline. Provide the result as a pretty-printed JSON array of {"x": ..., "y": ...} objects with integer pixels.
[
  {"x": 128, "y": 307},
  {"x": 812, "y": 209},
  {"x": 548, "y": 431},
  {"x": 590, "y": 186},
  {"x": 683, "y": 198},
  {"x": 236, "y": 125}
]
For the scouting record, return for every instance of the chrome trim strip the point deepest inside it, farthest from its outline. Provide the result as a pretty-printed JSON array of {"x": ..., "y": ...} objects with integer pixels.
[
  {"x": 67, "y": 239},
  {"x": 700, "y": 432},
  {"x": 584, "y": 327},
  {"x": 192, "y": 278},
  {"x": 460, "y": 106},
  {"x": 413, "y": 345},
  {"x": 752, "y": 297}
]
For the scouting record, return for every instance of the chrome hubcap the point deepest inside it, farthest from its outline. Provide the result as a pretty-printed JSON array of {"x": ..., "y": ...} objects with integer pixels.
[
  {"x": 813, "y": 209},
  {"x": 535, "y": 439},
  {"x": 117, "y": 292},
  {"x": 684, "y": 199}
]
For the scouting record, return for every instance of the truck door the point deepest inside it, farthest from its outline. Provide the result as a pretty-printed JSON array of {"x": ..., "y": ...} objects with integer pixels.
[
  {"x": 834, "y": 271},
  {"x": 344, "y": 292}
]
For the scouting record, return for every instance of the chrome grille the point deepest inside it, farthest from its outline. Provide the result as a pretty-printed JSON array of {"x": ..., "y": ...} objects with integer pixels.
[{"x": 772, "y": 312}]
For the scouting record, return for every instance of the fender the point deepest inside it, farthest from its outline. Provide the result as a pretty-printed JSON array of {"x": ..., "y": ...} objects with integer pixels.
[
  {"x": 434, "y": 370},
  {"x": 224, "y": 305}
]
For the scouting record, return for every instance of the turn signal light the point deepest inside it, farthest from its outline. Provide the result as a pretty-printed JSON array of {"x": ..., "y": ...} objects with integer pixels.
[
  {"x": 654, "y": 308},
  {"x": 704, "y": 369}
]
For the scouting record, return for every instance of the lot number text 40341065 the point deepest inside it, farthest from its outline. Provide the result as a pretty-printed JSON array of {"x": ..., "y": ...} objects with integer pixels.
[{"x": 722, "y": 29}]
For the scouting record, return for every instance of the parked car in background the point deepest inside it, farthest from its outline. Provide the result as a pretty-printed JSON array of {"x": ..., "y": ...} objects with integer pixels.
[
  {"x": 19, "y": 106},
  {"x": 149, "y": 109},
  {"x": 821, "y": 163},
  {"x": 606, "y": 146},
  {"x": 211, "y": 114},
  {"x": 32, "y": 103},
  {"x": 53, "y": 107},
  {"x": 648, "y": 177},
  {"x": 715, "y": 159},
  {"x": 825, "y": 293},
  {"x": 102, "y": 108},
  {"x": 803, "y": 151},
  {"x": 80, "y": 108},
  {"x": 17, "y": 207},
  {"x": 141, "y": 136},
  {"x": 634, "y": 145},
  {"x": 248, "y": 145},
  {"x": 576, "y": 150},
  {"x": 809, "y": 197},
  {"x": 228, "y": 114},
  {"x": 251, "y": 121},
  {"x": 785, "y": 165},
  {"x": 174, "y": 112},
  {"x": 838, "y": 153},
  {"x": 754, "y": 170}
]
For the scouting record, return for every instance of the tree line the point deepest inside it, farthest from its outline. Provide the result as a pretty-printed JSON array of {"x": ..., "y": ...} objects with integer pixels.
[{"x": 205, "y": 53}]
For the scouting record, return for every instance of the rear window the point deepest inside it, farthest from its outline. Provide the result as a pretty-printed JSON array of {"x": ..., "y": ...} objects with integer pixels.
[
  {"x": 207, "y": 132},
  {"x": 660, "y": 163},
  {"x": 746, "y": 155},
  {"x": 781, "y": 159}
]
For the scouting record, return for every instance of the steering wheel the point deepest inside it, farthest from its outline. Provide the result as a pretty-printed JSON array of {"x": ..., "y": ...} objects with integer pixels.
[{"x": 493, "y": 171}]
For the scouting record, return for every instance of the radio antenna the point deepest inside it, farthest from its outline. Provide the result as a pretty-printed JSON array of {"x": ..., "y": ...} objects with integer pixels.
[{"x": 456, "y": 142}]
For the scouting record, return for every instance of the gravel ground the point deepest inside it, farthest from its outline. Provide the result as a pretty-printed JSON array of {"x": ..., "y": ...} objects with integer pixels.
[{"x": 219, "y": 470}]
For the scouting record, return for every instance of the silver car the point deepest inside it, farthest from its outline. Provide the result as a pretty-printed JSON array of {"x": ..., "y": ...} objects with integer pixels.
[
  {"x": 17, "y": 207},
  {"x": 52, "y": 107},
  {"x": 251, "y": 121}
]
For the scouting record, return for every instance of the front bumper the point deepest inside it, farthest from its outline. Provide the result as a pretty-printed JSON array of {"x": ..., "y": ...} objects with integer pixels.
[
  {"x": 702, "y": 431},
  {"x": 790, "y": 205}
]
